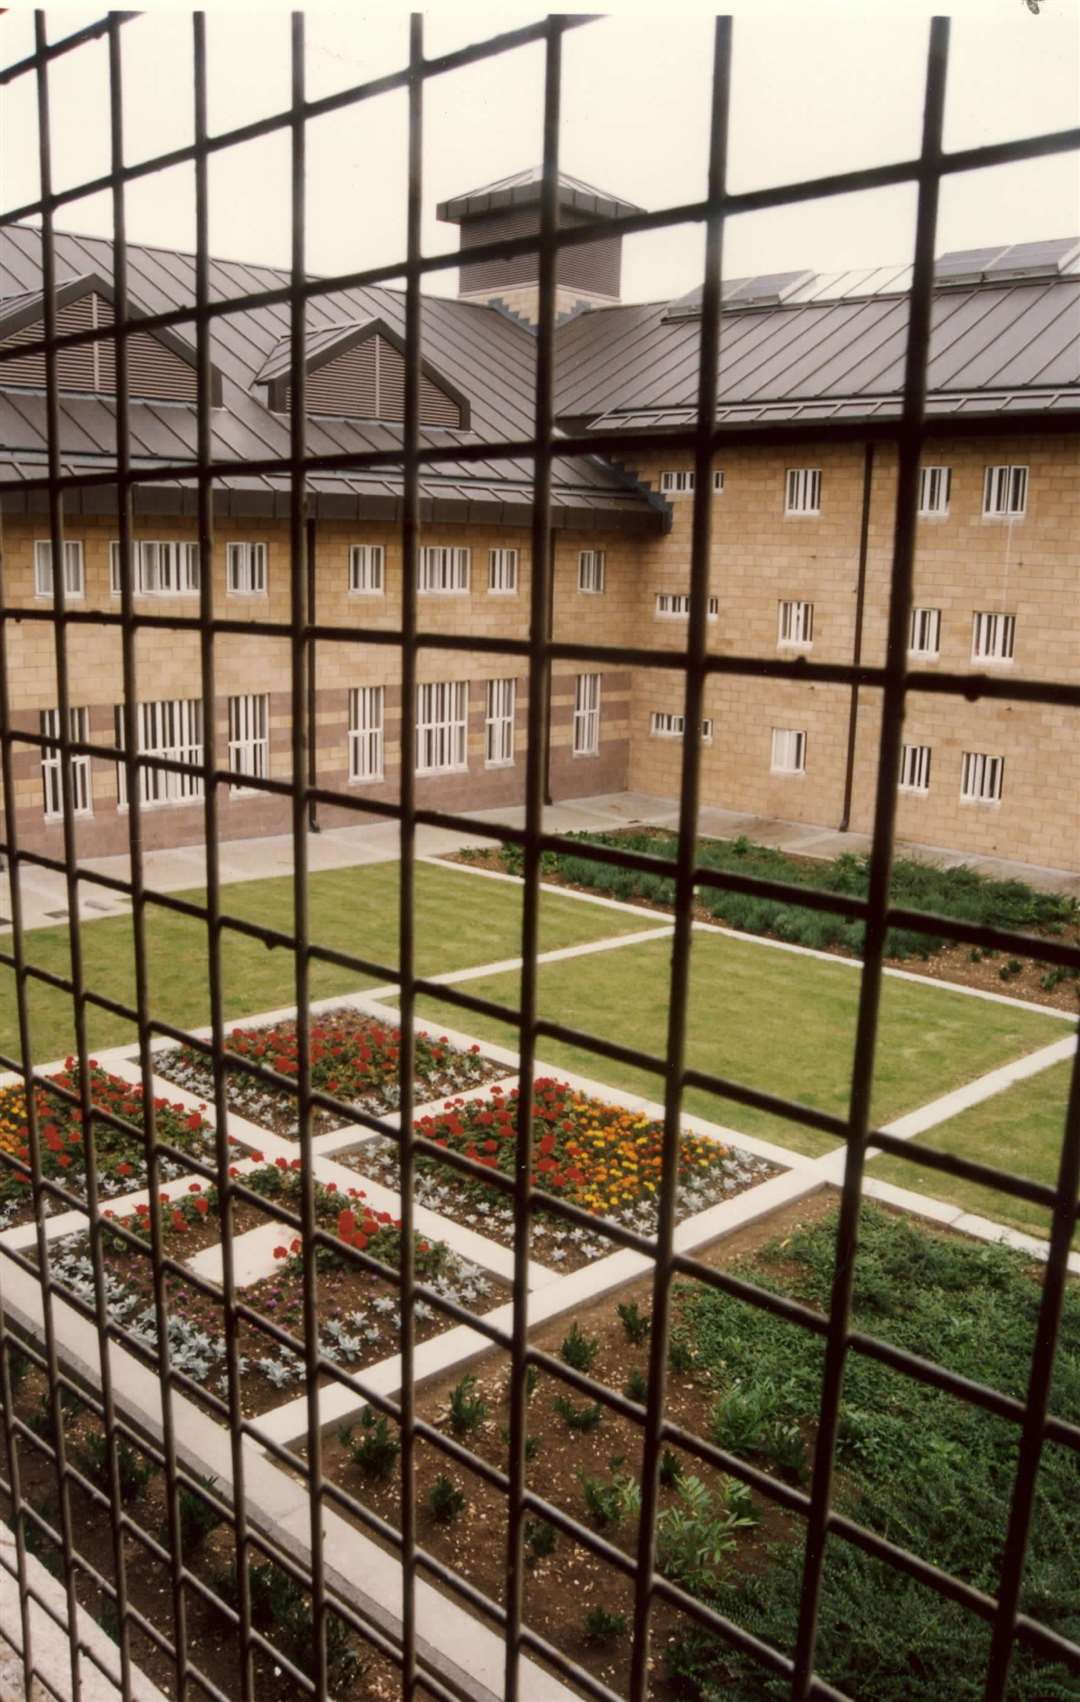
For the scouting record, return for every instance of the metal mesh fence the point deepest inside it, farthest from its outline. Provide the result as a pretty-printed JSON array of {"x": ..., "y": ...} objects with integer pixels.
[{"x": 424, "y": 1670}]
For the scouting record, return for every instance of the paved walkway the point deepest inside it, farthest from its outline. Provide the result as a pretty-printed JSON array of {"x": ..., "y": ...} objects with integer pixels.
[{"x": 45, "y": 899}]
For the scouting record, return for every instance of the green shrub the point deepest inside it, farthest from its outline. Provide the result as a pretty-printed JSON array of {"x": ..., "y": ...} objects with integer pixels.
[
  {"x": 602, "y": 1627},
  {"x": 575, "y": 1417},
  {"x": 467, "y": 1409},
  {"x": 540, "y": 1540},
  {"x": 636, "y": 1386},
  {"x": 579, "y": 1350},
  {"x": 197, "y": 1517},
  {"x": 634, "y": 1322},
  {"x": 671, "y": 1468},
  {"x": 445, "y": 1500},
  {"x": 694, "y": 1537},
  {"x": 133, "y": 1469},
  {"x": 377, "y": 1449},
  {"x": 532, "y": 1443},
  {"x": 608, "y": 1504}
]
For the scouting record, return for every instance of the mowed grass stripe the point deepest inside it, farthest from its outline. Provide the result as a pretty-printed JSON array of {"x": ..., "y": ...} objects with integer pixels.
[
  {"x": 461, "y": 921},
  {"x": 1019, "y": 1130},
  {"x": 769, "y": 1019}
]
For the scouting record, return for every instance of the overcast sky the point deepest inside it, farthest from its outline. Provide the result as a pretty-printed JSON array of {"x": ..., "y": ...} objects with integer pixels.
[{"x": 817, "y": 88}]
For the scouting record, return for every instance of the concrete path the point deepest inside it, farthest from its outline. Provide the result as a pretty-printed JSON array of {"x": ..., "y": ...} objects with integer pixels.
[{"x": 45, "y": 899}]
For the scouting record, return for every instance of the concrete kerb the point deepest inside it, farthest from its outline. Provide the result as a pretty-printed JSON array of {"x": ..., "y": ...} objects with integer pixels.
[{"x": 964, "y": 1222}]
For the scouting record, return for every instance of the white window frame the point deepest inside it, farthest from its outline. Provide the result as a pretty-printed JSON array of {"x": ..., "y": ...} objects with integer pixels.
[
  {"x": 74, "y": 569},
  {"x": 366, "y": 734},
  {"x": 442, "y": 727},
  {"x": 788, "y": 751},
  {"x": 587, "y": 692},
  {"x": 591, "y": 572},
  {"x": 935, "y": 489},
  {"x": 246, "y": 569},
  {"x": 915, "y": 762},
  {"x": 924, "y": 632},
  {"x": 663, "y": 725},
  {"x": 500, "y": 703},
  {"x": 802, "y": 491},
  {"x": 442, "y": 570},
  {"x": 675, "y": 606},
  {"x": 172, "y": 728},
  {"x": 367, "y": 570},
  {"x": 1005, "y": 491},
  {"x": 993, "y": 636},
  {"x": 249, "y": 738},
  {"x": 52, "y": 785},
  {"x": 503, "y": 572},
  {"x": 173, "y": 562},
  {"x": 794, "y": 624},
  {"x": 982, "y": 778},
  {"x": 718, "y": 479},
  {"x": 678, "y": 482}
]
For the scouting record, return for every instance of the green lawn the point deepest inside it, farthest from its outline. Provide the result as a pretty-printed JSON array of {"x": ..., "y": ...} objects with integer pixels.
[
  {"x": 461, "y": 920},
  {"x": 1020, "y": 1129},
  {"x": 772, "y": 1020}
]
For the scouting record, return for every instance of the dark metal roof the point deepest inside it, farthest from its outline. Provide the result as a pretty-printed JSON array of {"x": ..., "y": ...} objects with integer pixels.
[
  {"x": 523, "y": 189},
  {"x": 481, "y": 353},
  {"x": 828, "y": 353}
]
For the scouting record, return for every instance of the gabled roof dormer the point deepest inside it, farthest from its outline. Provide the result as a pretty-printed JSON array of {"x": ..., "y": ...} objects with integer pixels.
[
  {"x": 356, "y": 369},
  {"x": 161, "y": 366}
]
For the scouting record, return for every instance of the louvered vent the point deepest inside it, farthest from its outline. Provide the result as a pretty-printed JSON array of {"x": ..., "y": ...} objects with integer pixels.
[
  {"x": 368, "y": 382},
  {"x": 154, "y": 371}
]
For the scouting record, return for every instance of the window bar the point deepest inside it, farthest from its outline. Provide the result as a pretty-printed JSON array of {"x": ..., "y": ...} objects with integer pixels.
[
  {"x": 300, "y": 659},
  {"x": 407, "y": 743},
  {"x": 909, "y": 448},
  {"x": 686, "y": 856},
  {"x": 539, "y": 684},
  {"x": 215, "y": 970},
  {"x": 85, "y": 1093}
]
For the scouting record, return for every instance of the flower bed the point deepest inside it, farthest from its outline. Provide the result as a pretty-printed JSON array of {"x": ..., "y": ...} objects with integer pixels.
[
  {"x": 601, "y": 1157},
  {"x": 120, "y": 1155},
  {"x": 353, "y": 1057},
  {"x": 358, "y": 1309}
]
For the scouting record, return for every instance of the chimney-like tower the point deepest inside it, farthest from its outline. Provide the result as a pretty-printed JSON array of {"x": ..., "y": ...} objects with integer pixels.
[{"x": 589, "y": 273}]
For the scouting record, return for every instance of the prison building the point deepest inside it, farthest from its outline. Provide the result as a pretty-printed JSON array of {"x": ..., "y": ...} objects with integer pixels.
[{"x": 801, "y": 544}]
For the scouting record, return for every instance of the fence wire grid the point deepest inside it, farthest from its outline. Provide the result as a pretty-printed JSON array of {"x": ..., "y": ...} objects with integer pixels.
[{"x": 424, "y": 1670}]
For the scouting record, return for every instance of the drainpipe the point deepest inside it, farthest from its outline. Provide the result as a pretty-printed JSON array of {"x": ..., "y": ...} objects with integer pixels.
[
  {"x": 547, "y": 702},
  {"x": 856, "y": 657},
  {"x": 313, "y": 816}
]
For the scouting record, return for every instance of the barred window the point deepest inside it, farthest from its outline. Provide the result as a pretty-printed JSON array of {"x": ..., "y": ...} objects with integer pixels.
[
  {"x": 992, "y": 637},
  {"x": 367, "y": 569},
  {"x": 74, "y": 569},
  {"x": 502, "y": 572},
  {"x": 788, "y": 751},
  {"x": 935, "y": 485},
  {"x": 499, "y": 723},
  {"x": 924, "y": 632},
  {"x": 677, "y": 483},
  {"x": 587, "y": 715},
  {"x": 675, "y": 605},
  {"x": 366, "y": 732},
  {"x": 590, "y": 571},
  {"x": 443, "y": 569},
  {"x": 982, "y": 778},
  {"x": 51, "y": 777},
  {"x": 795, "y": 624},
  {"x": 802, "y": 490},
  {"x": 441, "y": 715},
  {"x": 172, "y": 729},
  {"x": 246, "y": 570},
  {"x": 1005, "y": 492},
  {"x": 249, "y": 737},
  {"x": 161, "y": 569},
  {"x": 665, "y": 726},
  {"x": 914, "y": 768}
]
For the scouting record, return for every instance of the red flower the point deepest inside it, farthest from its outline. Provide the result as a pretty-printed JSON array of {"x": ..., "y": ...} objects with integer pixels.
[
  {"x": 280, "y": 1253},
  {"x": 360, "y": 1241},
  {"x": 64, "y": 1159},
  {"x": 346, "y": 1223},
  {"x": 202, "y": 1206},
  {"x": 178, "y": 1221},
  {"x": 282, "y": 1163},
  {"x": 194, "y": 1187},
  {"x": 491, "y": 1146},
  {"x": 123, "y": 1169}
]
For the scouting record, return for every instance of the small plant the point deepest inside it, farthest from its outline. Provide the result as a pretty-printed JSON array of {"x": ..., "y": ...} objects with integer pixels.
[
  {"x": 445, "y": 1500},
  {"x": 575, "y": 1417},
  {"x": 378, "y": 1448},
  {"x": 532, "y": 1443},
  {"x": 671, "y": 1469},
  {"x": 634, "y": 1322},
  {"x": 133, "y": 1470},
  {"x": 540, "y": 1539},
  {"x": 694, "y": 1536},
  {"x": 610, "y": 1503},
  {"x": 1010, "y": 970},
  {"x": 467, "y": 1410},
  {"x": 197, "y": 1517},
  {"x": 579, "y": 1350},
  {"x": 636, "y": 1387},
  {"x": 749, "y": 1421},
  {"x": 680, "y": 1355},
  {"x": 602, "y": 1627},
  {"x": 532, "y": 1379},
  {"x": 1052, "y": 979},
  {"x": 976, "y": 954}
]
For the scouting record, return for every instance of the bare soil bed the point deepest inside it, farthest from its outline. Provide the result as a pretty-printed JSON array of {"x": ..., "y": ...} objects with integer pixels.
[{"x": 353, "y": 1057}]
